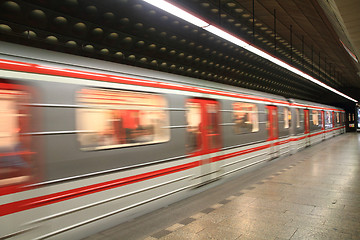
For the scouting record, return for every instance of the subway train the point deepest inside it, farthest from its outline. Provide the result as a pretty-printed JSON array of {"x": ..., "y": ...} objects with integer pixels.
[{"x": 87, "y": 144}]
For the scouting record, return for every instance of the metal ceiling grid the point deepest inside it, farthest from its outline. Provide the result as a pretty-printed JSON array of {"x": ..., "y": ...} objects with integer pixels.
[{"x": 134, "y": 33}]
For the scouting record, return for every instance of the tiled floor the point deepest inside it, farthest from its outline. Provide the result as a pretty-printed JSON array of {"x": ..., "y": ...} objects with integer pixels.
[{"x": 314, "y": 194}]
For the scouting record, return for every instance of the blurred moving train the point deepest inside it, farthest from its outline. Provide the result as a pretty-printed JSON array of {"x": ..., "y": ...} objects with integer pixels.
[{"x": 87, "y": 144}]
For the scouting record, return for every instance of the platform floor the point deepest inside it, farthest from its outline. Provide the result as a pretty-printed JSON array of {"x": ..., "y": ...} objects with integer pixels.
[{"x": 314, "y": 194}]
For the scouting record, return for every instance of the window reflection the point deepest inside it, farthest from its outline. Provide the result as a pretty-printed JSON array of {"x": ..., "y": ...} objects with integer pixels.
[
  {"x": 328, "y": 120},
  {"x": 15, "y": 154},
  {"x": 245, "y": 117},
  {"x": 111, "y": 118},
  {"x": 316, "y": 120},
  {"x": 287, "y": 118},
  {"x": 193, "y": 118},
  {"x": 299, "y": 117},
  {"x": 213, "y": 126}
]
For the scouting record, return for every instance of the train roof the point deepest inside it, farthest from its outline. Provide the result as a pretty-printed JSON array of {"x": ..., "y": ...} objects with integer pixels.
[
  {"x": 21, "y": 53},
  {"x": 314, "y": 104}
]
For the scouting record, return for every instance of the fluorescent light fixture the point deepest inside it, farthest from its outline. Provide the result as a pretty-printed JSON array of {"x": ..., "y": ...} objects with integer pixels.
[
  {"x": 231, "y": 38},
  {"x": 174, "y": 10},
  {"x": 295, "y": 70}
]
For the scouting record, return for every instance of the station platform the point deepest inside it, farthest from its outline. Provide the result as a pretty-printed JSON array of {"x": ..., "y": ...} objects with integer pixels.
[{"x": 313, "y": 194}]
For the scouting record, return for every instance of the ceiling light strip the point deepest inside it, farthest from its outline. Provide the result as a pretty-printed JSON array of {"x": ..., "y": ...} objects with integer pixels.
[
  {"x": 170, "y": 8},
  {"x": 174, "y": 10}
]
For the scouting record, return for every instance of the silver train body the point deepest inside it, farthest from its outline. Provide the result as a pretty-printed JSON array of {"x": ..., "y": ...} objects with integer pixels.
[{"x": 88, "y": 144}]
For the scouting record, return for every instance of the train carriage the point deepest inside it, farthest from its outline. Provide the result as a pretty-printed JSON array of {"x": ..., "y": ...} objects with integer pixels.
[
  {"x": 316, "y": 122},
  {"x": 87, "y": 144}
]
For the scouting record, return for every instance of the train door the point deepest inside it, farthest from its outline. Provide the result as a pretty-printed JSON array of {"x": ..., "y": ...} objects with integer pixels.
[
  {"x": 19, "y": 164},
  {"x": 358, "y": 119},
  {"x": 204, "y": 140},
  {"x": 273, "y": 131},
  {"x": 307, "y": 127},
  {"x": 323, "y": 124},
  {"x": 333, "y": 123}
]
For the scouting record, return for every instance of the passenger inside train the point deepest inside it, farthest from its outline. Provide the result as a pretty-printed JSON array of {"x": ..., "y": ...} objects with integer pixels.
[{"x": 15, "y": 154}]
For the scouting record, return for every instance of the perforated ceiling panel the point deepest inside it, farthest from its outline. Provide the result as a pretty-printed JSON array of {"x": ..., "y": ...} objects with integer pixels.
[{"x": 133, "y": 32}]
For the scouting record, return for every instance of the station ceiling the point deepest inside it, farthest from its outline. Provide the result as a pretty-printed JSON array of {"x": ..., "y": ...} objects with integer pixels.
[{"x": 309, "y": 34}]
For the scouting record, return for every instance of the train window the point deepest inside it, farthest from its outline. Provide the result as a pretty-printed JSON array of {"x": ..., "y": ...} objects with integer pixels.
[
  {"x": 245, "y": 117},
  {"x": 299, "y": 117},
  {"x": 316, "y": 118},
  {"x": 193, "y": 117},
  {"x": 15, "y": 155},
  {"x": 114, "y": 118},
  {"x": 287, "y": 118},
  {"x": 213, "y": 131},
  {"x": 328, "y": 120},
  {"x": 337, "y": 117}
]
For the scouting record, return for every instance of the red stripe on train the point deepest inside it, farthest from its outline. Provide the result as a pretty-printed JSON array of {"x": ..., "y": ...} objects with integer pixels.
[
  {"x": 36, "y": 202},
  {"x": 47, "y": 70},
  {"x": 239, "y": 153}
]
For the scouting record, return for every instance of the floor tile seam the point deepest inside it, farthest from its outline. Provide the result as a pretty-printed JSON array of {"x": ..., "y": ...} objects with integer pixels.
[
  {"x": 206, "y": 211},
  {"x": 330, "y": 221},
  {"x": 275, "y": 175},
  {"x": 325, "y": 232},
  {"x": 344, "y": 219},
  {"x": 294, "y": 233},
  {"x": 286, "y": 208},
  {"x": 254, "y": 233}
]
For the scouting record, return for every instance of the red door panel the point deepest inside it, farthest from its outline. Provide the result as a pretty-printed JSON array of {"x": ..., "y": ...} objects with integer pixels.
[
  {"x": 17, "y": 159},
  {"x": 203, "y": 126},
  {"x": 306, "y": 121},
  {"x": 273, "y": 130}
]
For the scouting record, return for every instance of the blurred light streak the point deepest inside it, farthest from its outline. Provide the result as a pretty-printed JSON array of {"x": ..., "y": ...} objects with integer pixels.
[{"x": 181, "y": 13}]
